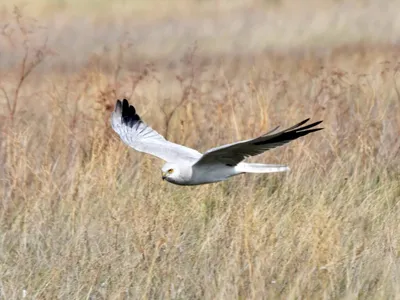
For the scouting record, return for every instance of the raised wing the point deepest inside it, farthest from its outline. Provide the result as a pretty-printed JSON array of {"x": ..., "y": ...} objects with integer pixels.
[
  {"x": 232, "y": 154},
  {"x": 136, "y": 134}
]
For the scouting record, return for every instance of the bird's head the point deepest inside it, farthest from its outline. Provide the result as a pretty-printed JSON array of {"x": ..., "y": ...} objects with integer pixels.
[{"x": 170, "y": 172}]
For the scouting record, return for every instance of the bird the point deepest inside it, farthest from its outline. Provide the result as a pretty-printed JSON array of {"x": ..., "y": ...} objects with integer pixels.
[{"x": 186, "y": 166}]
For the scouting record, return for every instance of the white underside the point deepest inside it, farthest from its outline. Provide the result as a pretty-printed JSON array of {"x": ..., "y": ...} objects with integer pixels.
[
  {"x": 210, "y": 174},
  {"x": 260, "y": 168}
]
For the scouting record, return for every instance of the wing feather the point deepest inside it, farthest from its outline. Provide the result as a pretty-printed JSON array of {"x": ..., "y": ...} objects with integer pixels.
[
  {"x": 234, "y": 153},
  {"x": 136, "y": 134}
]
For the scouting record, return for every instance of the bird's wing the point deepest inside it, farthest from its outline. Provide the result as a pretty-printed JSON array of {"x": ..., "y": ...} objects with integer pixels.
[
  {"x": 232, "y": 154},
  {"x": 136, "y": 134}
]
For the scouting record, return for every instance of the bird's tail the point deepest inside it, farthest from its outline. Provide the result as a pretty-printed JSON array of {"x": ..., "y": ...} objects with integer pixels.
[{"x": 261, "y": 168}]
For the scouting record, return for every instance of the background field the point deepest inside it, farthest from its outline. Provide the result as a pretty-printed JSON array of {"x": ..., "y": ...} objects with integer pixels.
[{"x": 84, "y": 217}]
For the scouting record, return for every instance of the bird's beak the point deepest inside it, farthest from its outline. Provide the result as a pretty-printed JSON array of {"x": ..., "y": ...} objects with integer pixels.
[{"x": 164, "y": 176}]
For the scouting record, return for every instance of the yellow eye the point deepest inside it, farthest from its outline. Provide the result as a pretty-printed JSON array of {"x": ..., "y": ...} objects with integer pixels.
[{"x": 170, "y": 171}]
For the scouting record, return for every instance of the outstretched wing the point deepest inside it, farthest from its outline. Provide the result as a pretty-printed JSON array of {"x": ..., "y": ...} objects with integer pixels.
[
  {"x": 232, "y": 154},
  {"x": 136, "y": 134}
]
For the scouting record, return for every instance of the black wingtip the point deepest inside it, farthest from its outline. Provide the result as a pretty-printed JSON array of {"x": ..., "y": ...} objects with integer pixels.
[
  {"x": 128, "y": 112},
  {"x": 291, "y": 133},
  {"x": 311, "y": 130},
  {"x": 309, "y": 126},
  {"x": 297, "y": 125},
  {"x": 303, "y": 122}
]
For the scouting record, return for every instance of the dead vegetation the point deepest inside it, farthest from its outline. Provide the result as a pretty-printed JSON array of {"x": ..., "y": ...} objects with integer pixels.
[{"x": 83, "y": 216}]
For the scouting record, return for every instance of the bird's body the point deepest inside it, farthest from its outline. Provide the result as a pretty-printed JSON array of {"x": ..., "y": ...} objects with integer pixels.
[
  {"x": 186, "y": 166},
  {"x": 195, "y": 175}
]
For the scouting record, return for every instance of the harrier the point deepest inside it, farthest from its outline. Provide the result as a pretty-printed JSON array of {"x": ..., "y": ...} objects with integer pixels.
[{"x": 186, "y": 166}]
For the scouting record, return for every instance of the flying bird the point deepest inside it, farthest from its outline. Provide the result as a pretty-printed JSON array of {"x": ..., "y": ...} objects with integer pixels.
[{"x": 186, "y": 166}]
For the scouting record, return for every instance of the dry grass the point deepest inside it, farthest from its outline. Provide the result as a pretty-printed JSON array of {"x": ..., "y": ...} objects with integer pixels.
[{"x": 84, "y": 217}]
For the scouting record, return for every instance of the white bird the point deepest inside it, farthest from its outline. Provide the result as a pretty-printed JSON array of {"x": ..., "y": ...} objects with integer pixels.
[{"x": 186, "y": 166}]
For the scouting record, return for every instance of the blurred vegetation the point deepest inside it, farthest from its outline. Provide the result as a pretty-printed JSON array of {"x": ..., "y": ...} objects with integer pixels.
[{"x": 83, "y": 216}]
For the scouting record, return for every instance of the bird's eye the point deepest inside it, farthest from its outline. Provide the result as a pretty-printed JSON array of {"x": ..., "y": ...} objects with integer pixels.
[{"x": 170, "y": 171}]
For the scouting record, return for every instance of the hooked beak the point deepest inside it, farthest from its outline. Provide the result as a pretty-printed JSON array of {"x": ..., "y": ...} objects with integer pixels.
[{"x": 163, "y": 176}]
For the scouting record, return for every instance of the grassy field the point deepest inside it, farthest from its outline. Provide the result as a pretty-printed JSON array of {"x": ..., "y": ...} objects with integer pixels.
[{"x": 84, "y": 217}]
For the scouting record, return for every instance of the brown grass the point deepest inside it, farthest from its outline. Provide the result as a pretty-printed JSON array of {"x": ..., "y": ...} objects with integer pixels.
[{"x": 84, "y": 217}]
